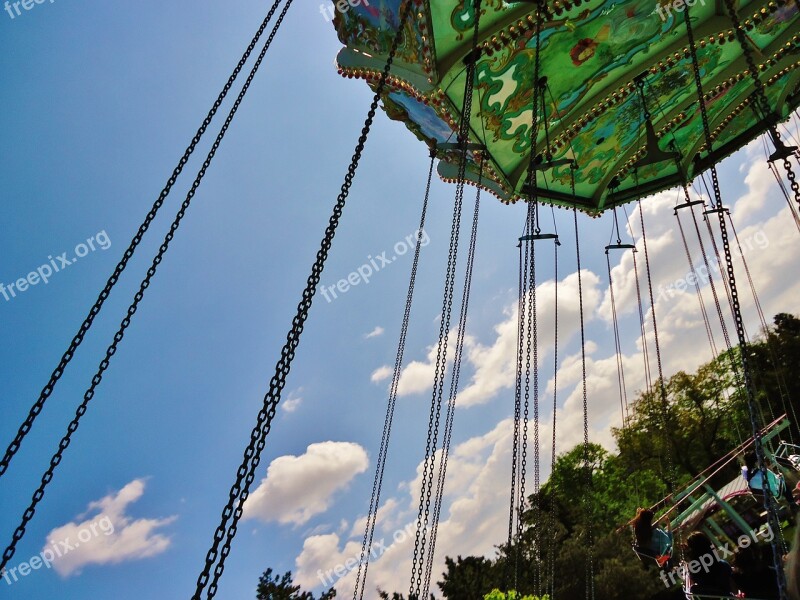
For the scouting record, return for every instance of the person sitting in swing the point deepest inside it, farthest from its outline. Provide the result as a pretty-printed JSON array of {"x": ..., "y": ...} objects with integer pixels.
[
  {"x": 715, "y": 578},
  {"x": 755, "y": 481},
  {"x": 651, "y": 540}
]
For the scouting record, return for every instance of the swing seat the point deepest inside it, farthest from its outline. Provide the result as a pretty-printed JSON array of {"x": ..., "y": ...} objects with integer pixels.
[
  {"x": 647, "y": 556},
  {"x": 789, "y": 462}
]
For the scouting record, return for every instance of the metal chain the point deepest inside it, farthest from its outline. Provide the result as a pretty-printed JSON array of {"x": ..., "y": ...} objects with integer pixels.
[
  {"x": 642, "y": 326},
  {"x": 623, "y": 392},
  {"x": 530, "y": 291},
  {"x": 534, "y": 342},
  {"x": 783, "y": 390},
  {"x": 553, "y": 446},
  {"x": 525, "y": 412},
  {"x": 454, "y": 381},
  {"x": 587, "y": 466},
  {"x": 792, "y": 180},
  {"x": 721, "y": 268},
  {"x": 118, "y": 336},
  {"x": 423, "y": 517},
  {"x": 377, "y": 485},
  {"x": 769, "y": 501},
  {"x": 784, "y": 191},
  {"x": 661, "y": 383},
  {"x": 698, "y": 293},
  {"x": 252, "y": 455},
  {"x": 713, "y": 286},
  {"x": 761, "y": 95},
  {"x": 123, "y": 263},
  {"x": 701, "y": 101},
  {"x": 521, "y": 302}
]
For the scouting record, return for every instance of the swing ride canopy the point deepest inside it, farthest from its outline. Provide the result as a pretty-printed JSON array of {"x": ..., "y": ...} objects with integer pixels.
[{"x": 592, "y": 54}]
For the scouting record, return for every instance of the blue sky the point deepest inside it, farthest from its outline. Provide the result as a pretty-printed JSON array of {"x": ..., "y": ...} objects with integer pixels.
[{"x": 99, "y": 102}]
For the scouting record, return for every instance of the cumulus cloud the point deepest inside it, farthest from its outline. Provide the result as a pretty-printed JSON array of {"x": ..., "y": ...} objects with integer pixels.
[
  {"x": 474, "y": 520},
  {"x": 105, "y": 534},
  {"x": 293, "y": 402},
  {"x": 417, "y": 376},
  {"x": 378, "y": 331},
  {"x": 494, "y": 365},
  {"x": 381, "y": 373},
  {"x": 475, "y": 509},
  {"x": 298, "y": 487}
]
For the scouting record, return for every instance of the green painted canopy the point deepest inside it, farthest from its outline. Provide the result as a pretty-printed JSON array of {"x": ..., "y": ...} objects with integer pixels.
[{"x": 591, "y": 53}]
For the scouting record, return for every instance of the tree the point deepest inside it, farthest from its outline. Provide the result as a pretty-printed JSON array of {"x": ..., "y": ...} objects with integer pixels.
[
  {"x": 283, "y": 588},
  {"x": 469, "y": 578},
  {"x": 590, "y": 497}
]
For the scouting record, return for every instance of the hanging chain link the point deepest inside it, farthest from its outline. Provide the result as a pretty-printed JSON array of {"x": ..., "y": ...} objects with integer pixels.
[
  {"x": 530, "y": 291},
  {"x": 667, "y": 421},
  {"x": 372, "y": 514},
  {"x": 423, "y": 517},
  {"x": 787, "y": 165},
  {"x": 642, "y": 326},
  {"x": 252, "y": 455},
  {"x": 763, "y": 103},
  {"x": 697, "y": 288},
  {"x": 713, "y": 286},
  {"x": 552, "y": 570},
  {"x": 118, "y": 336},
  {"x": 37, "y": 407},
  {"x": 454, "y": 382},
  {"x": 532, "y": 356},
  {"x": 521, "y": 302},
  {"x": 586, "y": 458}
]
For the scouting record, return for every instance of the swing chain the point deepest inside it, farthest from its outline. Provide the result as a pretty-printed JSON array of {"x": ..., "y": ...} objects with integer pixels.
[
  {"x": 420, "y": 537},
  {"x": 517, "y": 408},
  {"x": 252, "y": 455},
  {"x": 126, "y": 321},
  {"x": 128, "y": 254},
  {"x": 762, "y": 102},
  {"x": 587, "y": 462},
  {"x": 792, "y": 179},
  {"x": 377, "y": 485}
]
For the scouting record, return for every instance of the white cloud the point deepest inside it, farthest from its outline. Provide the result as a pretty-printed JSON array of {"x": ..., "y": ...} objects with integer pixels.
[
  {"x": 475, "y": 510},
  {"x": 474, "y": 519},
  {"x": 108, "y": 536},
  {"x": 494, "y": 365},
  {"x": 298, "y": 487},
  {"x": 378, "y": 331},
  {"x": 418, "y": 375},
  {"x": 293, "y": 402},
  {"x": 381, "y": 373}
]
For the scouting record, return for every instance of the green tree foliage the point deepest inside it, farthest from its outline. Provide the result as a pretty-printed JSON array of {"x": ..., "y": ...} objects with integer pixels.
[
  {"x": 283, "y": 588},
  {"x": 704, "y": 417},
  {"x": 512, "y": 595},
  {"x": 469, "y": 578}
]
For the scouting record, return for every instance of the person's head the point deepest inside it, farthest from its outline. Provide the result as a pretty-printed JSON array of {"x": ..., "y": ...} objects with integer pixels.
[
  {"x": 698, "y": 544},
  {"x": 751, "y": 462},
  {"x": 643, "y": 526}
]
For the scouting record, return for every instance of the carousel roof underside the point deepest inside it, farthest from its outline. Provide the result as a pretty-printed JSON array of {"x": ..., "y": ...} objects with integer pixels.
[{"x": 592, "y": 53}]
